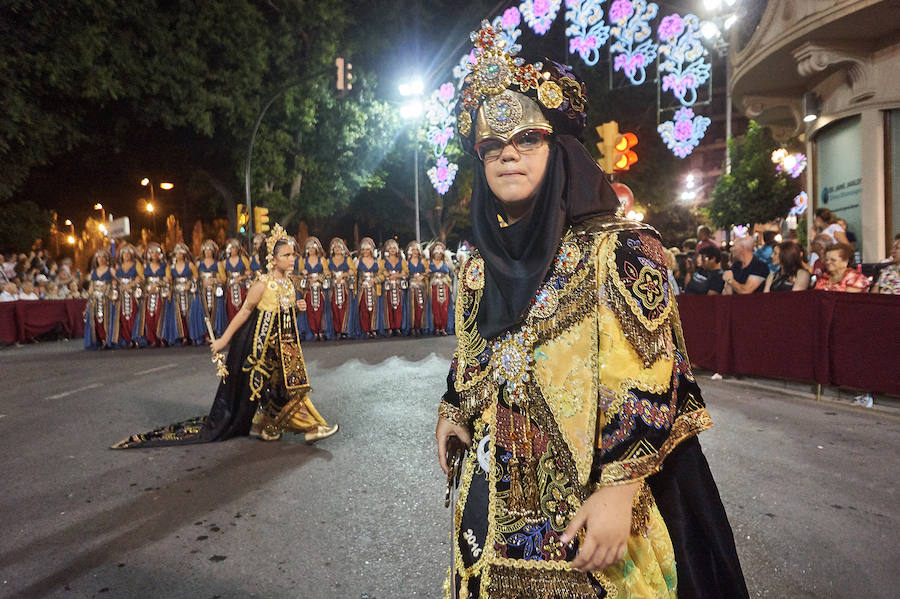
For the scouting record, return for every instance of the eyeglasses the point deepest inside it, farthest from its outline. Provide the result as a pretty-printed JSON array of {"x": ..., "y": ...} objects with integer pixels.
[{"x": 524, "y": 142}]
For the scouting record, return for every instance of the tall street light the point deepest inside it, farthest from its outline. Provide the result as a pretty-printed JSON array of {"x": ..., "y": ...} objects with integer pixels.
[
  {"x": 151, "y": 205},
  {"x": 724, "y": 14},
  {"x": 411, "y": 111}
]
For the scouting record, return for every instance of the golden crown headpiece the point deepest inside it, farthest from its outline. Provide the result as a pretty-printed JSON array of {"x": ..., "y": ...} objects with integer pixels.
[
  {"x": 503, "y": 95},
  {"x": 278, "y": 233}
]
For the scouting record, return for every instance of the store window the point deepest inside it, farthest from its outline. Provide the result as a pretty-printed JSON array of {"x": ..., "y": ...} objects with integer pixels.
[{"x": 839, "y": 173}]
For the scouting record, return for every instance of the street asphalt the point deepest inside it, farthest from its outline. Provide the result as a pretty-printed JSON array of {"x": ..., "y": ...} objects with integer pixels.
[{"x": 810, "y": 487}]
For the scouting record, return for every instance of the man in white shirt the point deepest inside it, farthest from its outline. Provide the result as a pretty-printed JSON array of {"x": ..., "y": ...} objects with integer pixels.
[{"x": 10, "y": 292}]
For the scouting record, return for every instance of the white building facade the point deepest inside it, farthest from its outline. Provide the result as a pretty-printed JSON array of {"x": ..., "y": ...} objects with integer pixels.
[{"x": 838, "y": 60}]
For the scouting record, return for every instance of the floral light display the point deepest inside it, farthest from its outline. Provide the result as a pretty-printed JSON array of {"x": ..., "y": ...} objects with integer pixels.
[
  {"x": 682, "y": 66},
  {"x": 801, "y": 204},
  {"x": 740, "y": 230},
  {"x": 634, "y": 49},
  {"x": 439, "y": 122},
  {"x": 684, "y": 132},
  {"x": 587, "y": 32},
  {"x": 540, "y": 14},
  {"x": 792, "y": 165}
]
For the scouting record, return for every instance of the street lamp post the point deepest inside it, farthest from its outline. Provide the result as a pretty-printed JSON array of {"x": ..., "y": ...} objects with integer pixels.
[
  {"x": 724, "y": 16},
  {"x": 412, "y": 110},
  {"x": 151, "y": 205}
]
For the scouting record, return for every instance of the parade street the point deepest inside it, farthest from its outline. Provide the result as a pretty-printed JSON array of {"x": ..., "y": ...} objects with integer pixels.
[{"x": 808, "y": 486}]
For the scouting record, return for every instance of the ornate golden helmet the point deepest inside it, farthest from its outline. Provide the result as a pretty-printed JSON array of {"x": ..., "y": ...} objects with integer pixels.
[
  {"x": 233, "y": 243},
  {"x": 503, "y": 96}
]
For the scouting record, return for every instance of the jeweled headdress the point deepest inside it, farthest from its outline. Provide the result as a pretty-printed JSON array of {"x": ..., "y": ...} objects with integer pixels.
[
  {"x": 389, "y": 244},
  {"x": 338, "y": 242},
  {"x": 209, "y": 244},
  {"x": 413, "y": 245},
  {"x": 153, "y": 248},
  {"x": 312, "y": 240},
  {"x": 366, "y": 242},
  {"x": 503, "y": 95},
  {"x": 181, "y": 247},
  {"x": 278, "y": 233},
  {"x": 234, "y": 243}
]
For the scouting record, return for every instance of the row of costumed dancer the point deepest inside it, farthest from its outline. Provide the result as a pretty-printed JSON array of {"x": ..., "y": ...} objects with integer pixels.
[{"x": 152, "y": 302}]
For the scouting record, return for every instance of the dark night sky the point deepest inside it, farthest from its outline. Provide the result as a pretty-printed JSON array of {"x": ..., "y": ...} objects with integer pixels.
[{"x": 430, "y": 41}]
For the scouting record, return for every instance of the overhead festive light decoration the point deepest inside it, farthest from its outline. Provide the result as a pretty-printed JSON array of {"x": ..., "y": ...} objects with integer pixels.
[
  {"x": 740, "y": 230},
  {"x": 684, "y": 132},
  {"x": 440, "y": 119},
  {"x": 791, "y": 164},
  {"x": 801, "y": 204},
  {"x": 540, "y": 14},
  {"x": 634, "y": 49},
  {"x": 587, "y": 32},
  {"x": 682, "y": 57}
]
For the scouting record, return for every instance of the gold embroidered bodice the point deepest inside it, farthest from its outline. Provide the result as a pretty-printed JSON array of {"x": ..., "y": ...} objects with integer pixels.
[{"x": 278, "y": 294}]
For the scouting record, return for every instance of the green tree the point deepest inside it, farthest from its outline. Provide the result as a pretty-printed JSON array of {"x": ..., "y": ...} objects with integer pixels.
[
  {"x": 22, "y": 223},
  {"x": 754, "y": 192}
]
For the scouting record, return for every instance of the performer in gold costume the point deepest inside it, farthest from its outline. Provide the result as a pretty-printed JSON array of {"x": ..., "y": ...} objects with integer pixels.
[
  {"x": 570, "y": 383},
  {"x": 267, "y": 386}
]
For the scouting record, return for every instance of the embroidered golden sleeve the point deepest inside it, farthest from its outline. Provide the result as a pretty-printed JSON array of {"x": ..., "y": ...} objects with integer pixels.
[{"x": 648, "y": 400}]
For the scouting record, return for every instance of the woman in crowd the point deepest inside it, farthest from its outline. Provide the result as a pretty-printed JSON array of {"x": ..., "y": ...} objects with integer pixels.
[
  {"x": 343, "y": 280},
  {"x": 441, "y": 281},
  {"x": 212, "y": 299},
  {"x": 184, "y": 316},
  {"x": 235, "y": 271},
  {"x": 266, "y": 390},
  {"x": 889, "y": 278},
  {"x": 126, "y": 294},
  {"x": 370, "y": 275},
  {"x": 314, "y": 281},
  {"x": 417, "y": 304},
  {"x": 790, "y": 274},
  {"x": 154, "y": 300},
  {"x": 570, "y": 381},
  {"x": 396, "y": 279},
  {"x": 841, "y": 276},
  {"x": 826, "y": 224},
  {"x": 255, "y": 269}
]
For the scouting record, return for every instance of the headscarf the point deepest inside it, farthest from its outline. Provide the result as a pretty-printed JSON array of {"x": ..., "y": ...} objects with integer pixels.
[{"x": 517, "y": 257}]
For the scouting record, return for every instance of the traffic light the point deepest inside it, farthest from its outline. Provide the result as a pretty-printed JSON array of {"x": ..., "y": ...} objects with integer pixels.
[
  {"x": 616, "y": 148},
  {"x": 609, "y": 135},
  {"x": 344, "y": 75},
  {"x": 260, "y": 219},
  {"x": 625, "y": 156},
  {"x": 243, "y": 217}
]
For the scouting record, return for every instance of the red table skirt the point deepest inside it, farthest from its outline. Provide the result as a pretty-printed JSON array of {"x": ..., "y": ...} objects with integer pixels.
[
  {"x": 845, "y": 339},
  {"x": 24, "y": 319}
]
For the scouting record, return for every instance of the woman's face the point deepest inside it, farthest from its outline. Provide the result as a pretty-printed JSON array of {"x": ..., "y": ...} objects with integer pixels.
[
  {"x": 180, "y": 256},
  {"x": 284, "y": 258},
  {"x": 101, "y": 260},
  {"x": 835, "y": 263},
  {"x": 776, "y": 256},
  {"x": 820, "y": 224},
  {"x": 366, "y": 252},
  {"x": 337, "y": 251},
  {"x": 208, "y": 254},
  {"x": 514, "y": 177},
  {"x": 895, "y": 251},
  {"x": 438, "y": 253},
  {"x": 392, "y": 251},
  {"x": 127, "y": 256},
  {"x": 414, "y": 253},
  {"x": 312, "y": 251}
]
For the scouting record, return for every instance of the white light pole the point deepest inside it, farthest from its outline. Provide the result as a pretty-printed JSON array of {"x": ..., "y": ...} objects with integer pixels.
[
  {"x": 717, "y": 31},
  {"x": 411, "y": 111}
]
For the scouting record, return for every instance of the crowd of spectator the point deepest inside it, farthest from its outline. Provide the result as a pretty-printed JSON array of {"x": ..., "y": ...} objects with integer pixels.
[
  {"x": 35, "y": 276},
  {"x": 765, "y": 264}
]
